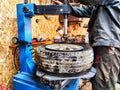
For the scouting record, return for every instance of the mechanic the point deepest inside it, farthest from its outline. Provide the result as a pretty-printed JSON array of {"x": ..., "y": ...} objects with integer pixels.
[{"x": 104, "y": 37}]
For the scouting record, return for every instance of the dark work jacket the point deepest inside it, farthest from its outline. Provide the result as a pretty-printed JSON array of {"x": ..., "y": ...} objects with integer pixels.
[{"x": 104, "y": 24}]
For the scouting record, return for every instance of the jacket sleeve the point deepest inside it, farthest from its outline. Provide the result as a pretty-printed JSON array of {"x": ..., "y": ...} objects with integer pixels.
[{"x": 81, "y": 12}]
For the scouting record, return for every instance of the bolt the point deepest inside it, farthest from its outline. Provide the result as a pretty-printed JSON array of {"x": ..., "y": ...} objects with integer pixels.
[{"x": 25, "y": 9}]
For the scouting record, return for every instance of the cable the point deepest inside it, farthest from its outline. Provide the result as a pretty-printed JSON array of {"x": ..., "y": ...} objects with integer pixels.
[{"x": 14, "y": 57}]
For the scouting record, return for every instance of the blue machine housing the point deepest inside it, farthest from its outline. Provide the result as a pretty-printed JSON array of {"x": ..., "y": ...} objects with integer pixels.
[{"x": 26, "y": 79}]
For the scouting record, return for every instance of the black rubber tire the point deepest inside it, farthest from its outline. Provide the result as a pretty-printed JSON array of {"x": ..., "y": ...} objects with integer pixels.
[{"x": 64, "y": 62}]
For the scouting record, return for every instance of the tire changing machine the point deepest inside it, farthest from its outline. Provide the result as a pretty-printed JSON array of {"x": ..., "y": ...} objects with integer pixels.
[{"x": 26, "y": 78}]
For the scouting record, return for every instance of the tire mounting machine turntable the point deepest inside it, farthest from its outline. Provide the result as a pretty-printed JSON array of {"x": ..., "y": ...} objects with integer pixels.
[{"x": 26, "y": 78}]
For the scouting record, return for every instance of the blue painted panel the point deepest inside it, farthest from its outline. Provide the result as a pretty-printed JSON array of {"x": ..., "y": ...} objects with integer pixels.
[
  {"x": 24, "y": 81},
  {"x": 25, "y": 34}
]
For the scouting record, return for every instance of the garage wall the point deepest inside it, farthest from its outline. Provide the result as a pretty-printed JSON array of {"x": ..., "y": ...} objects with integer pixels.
[{"x": 8, "y": 29}]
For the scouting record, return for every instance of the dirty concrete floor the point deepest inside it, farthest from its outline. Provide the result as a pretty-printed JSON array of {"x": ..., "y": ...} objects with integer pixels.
[
  {"x": 88, "y": 86},
  {"x": 117, "y": 86}
]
